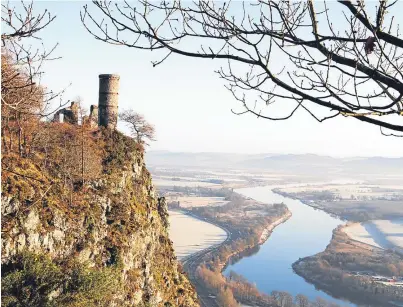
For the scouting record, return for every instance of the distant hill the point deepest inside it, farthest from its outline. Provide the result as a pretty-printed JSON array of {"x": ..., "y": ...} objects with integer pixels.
[
  {"x": 204, "y": 159},
  {"x": 288, "y": 163}
]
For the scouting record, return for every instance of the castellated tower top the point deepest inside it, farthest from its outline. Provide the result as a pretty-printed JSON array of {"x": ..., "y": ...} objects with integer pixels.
[{"x": 108, "y": 100}]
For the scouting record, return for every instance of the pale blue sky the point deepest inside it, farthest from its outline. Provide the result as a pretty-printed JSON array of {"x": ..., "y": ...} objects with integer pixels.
[{"x": 187, "y": 102}]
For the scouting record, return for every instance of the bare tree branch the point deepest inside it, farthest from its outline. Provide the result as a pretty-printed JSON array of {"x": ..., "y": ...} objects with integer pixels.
[
  {"x": 352, "y": 68},
  {"x": 139, "y": 127}
]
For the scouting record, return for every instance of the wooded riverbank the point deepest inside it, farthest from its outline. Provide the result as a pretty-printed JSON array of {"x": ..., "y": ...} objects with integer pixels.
[{"x": 353, "y": 270}]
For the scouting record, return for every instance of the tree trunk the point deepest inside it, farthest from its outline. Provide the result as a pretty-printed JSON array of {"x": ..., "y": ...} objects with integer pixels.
[
  {"x": 82, "y": 154},
  {"x": 25, "y": 146},
  {"x": 10, "y": 134},
  {"x": 71, "y": 193},
  {"x": 3, "y": 139},
  {"x": 19, "y": 135}
]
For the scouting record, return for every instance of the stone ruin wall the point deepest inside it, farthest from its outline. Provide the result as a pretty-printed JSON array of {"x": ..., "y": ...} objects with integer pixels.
[
  {"x": 105, "y": 114},
  {"x": 70, "y": 114}
]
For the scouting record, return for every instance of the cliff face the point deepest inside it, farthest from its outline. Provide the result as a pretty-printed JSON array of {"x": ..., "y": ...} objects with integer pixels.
[{"x": 114, "y": 223}]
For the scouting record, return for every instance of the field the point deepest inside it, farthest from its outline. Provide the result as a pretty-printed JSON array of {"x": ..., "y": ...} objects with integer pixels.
[
  {"x": 357, "y": 231},
  {"x": 190, "y": 235},
  {"x": 348, "y": 191},
  {"x": 234, "y": 178},
  {"x": 172, "y": 183},
  {"x": 393, "y": 231},
  {"x": 373, "y": 209},
  {"x": 379, "y": 233},
  {"x": 357, "y": 202}
]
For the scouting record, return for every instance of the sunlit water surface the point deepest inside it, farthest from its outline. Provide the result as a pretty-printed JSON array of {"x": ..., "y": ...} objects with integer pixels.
[{"x": 306, "y": 233}]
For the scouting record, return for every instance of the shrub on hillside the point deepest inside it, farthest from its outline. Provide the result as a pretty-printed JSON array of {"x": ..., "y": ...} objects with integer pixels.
[{"x": 35, "y": 280}]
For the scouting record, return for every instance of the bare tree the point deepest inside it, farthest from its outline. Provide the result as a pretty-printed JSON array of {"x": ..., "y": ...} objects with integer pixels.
[
  {"x": 23, "y": 24},
  {"x": 284, "y": 299},
  {"x": 24, "y": 101},
  {"x": 226, "y": 298},
  {"x": 139, "y": 127},
  {"x": 72, "y": 152},
  {"x": 320, "y": 302},
  {"x": 301, "y": 300},
  {"x": 25, "y": 51},
  {"x": 352, "y": 68}
]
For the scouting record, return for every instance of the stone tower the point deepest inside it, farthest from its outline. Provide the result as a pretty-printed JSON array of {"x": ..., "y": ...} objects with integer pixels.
[{"x": 108, "y": 100}]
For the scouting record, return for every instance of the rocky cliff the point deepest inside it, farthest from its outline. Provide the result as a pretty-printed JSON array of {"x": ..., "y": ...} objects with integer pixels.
[{"x": 102, "y": 244}]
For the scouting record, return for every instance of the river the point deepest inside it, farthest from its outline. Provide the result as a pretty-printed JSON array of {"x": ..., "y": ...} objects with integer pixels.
[{"x": 306, "y": 233}]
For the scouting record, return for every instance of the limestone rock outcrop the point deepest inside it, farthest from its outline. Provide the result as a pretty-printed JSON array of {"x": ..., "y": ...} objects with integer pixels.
[{"x": 117, "y": 221}]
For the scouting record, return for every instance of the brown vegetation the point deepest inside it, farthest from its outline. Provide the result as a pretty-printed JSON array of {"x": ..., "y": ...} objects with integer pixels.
[
  {"x": 24, "y": 101},
  {"x": 63, "y": 149},
  {"x": 225, "y": 298},
  {"x": 236, "y": 286}
]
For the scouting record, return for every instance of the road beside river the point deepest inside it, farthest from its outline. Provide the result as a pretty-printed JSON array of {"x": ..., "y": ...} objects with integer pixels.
[{"x": 185, "y": 230}]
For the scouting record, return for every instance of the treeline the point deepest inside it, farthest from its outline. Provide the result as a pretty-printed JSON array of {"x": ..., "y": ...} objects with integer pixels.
[
  {"x": 334, "y": 270},
  {"x": 232, "y": 248},
  {"x": 351, "y": 209},
  {"x": 324, "y": 195},
  {"x": 203, "y": 191},
  {"x": 360, "y": 289},
  {"x": 234, "y": 215},
  {"x": 343, "y": 254},
  {"x": 235, "y": 288},
  {"x": 246, "y": 232},
  {"x": 386, "y": 265}
]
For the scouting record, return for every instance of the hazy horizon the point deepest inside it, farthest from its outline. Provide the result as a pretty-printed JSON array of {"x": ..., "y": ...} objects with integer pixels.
[
  {"x": 187, "y": 102},
  {"x": 271, "y": 153}
]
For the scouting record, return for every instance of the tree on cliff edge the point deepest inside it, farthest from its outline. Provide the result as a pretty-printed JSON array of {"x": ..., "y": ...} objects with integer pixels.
[
  {"x": 324, "y": 58},
  {"x": 140, "y": 129}
]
